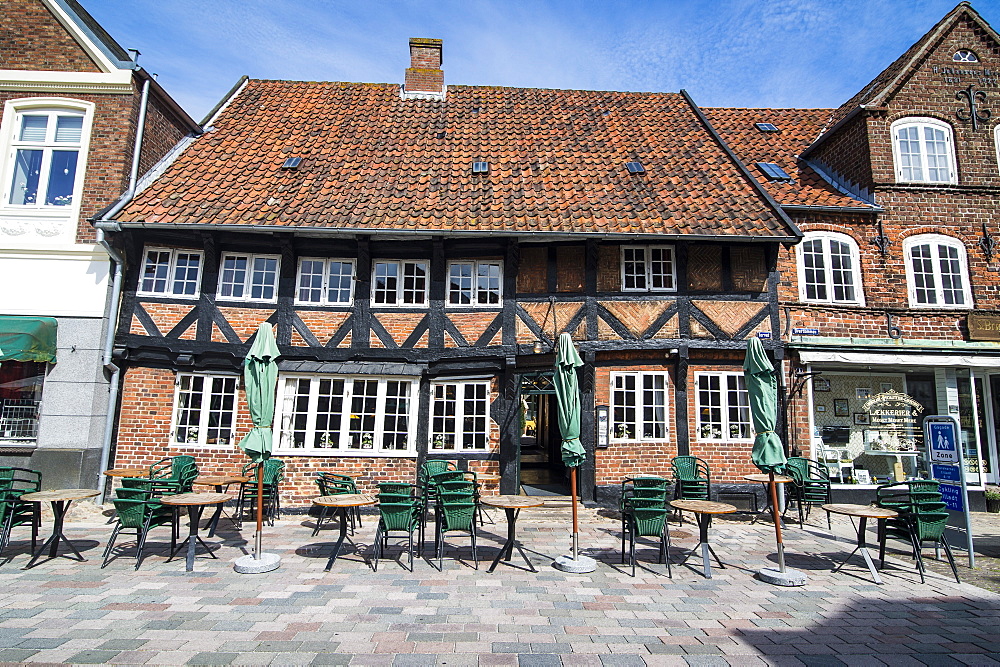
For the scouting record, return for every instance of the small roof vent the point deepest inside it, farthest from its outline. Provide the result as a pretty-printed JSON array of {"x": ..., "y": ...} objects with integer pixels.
[
  {"x": 480, "y": 167},
  {"x": 774, "y": 172},
  {"x": 292, "y": 163},
  {"x": 767, "y": 127},
  {"x": 635, "y": 168}
]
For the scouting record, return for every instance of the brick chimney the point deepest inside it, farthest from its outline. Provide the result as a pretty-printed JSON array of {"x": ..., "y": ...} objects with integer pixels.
[{"x": 424, "y": 76}]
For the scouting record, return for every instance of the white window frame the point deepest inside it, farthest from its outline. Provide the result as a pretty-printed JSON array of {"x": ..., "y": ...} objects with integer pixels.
[
  {"x": 936, "y": 241},
  {"x": 996, "y": 143},
  {"x": 401, "y": 265},
  {"x": 474, "y": 288},
  {"x": 648, "y": 272},
  {"x": 171, "y": 276},
  {"x": 344, "y": 445},
  {"x": 248, "y": 279},
  {"x": 921, "y": 123},
  {"x": 726, "y": 424},
  {"x": 459, "y": 433},
  {"x": 13, "y": 111},
  {"x": 635, "y": 428},
  {"x": 324, "y": 299},
  {"x": 200, "y": 439},
  {"x": 855, "y": 255}
]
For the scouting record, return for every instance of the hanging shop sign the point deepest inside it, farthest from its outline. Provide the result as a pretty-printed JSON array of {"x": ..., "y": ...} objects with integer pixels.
[{"x": 893, "y": 421}]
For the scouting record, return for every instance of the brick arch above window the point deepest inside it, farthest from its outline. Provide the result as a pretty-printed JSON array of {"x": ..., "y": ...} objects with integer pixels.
[
  {"x": 923, "y": 150},
  {"x": 937, "y": 272},
  {"x": 829, "y": 269}
]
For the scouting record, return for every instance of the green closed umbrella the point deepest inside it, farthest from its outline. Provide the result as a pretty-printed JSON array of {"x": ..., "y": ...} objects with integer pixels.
[
  {"x": 260, "y": 377},
  {"x": 768, "y": 454},
  {"x": 568, "y": 410}
]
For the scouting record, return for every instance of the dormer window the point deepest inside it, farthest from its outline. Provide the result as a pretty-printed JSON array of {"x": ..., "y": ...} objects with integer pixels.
[
  {"x": 965, "y": 56},
  {"x": 923, "y": 151}
]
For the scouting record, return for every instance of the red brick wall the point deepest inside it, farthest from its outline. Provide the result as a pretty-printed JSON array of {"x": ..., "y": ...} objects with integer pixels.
[
  {"x": 33, "y": 39},
  {"x": 162, "y": 132}
]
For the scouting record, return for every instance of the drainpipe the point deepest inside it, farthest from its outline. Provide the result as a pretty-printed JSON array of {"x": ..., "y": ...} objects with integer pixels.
[{"x": 107, "y": 223}]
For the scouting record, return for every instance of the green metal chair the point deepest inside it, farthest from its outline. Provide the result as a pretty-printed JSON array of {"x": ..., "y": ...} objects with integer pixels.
[
  {"x": 923, "y": 518},
  {"x": 139, "y": 510},
  {"x": 638, "y": 487},
  {"x": 273, "y": 472},
  {"x": 647, "y": 517},
  {"x": 455, "y": 513},
  {"x": 399, "y": 512},
  {"x": 175, "y": 474},
  {"x": 333, "y": 484},
  {"x": 810, "y": 486},
  {"x": 692, "y": 480},
  {"x": 15, "y": 482}
]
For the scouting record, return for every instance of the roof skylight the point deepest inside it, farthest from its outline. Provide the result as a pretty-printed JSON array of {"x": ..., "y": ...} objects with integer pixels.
[
  {"x": 767, "y": 127},
  {"x": 635, "y": 168},
  {"x": 773, "y": 172},
  {"x": 292, "y": 163},
  {"x": 480, "y": 167}
]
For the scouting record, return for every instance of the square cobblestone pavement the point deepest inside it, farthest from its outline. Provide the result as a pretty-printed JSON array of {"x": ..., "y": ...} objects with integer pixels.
[{"x": 63, "y": 611}]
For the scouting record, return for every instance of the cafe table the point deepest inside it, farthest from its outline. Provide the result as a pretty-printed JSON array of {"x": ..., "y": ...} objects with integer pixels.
[
  {"x": 221, "y": 484},
  {"x": 60, "y": 500},
  {"x": 765, "y": 480},
  {"x": 512, "y": 506},
  {"x": 127, "y": 472},
  {"x": 704, "y": 510},
  {"x": 195, "y": 503},
  {"x": 342, "y": 503},
  {"x": 863, "y": 513}
]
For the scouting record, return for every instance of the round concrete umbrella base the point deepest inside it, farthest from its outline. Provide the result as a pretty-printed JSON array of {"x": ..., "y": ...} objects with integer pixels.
[
  {"x": 250, "y": 565},
  {"x": 779, "y": 578},
  {"x": 581, "y": 565}
]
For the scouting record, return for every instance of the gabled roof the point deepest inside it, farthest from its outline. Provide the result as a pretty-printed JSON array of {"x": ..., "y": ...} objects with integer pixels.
[
  {"x": 883, "y": 86},
  {"x": 797, "y": 128},
  {"x": 89, "y": 33},
  {"x": 374, "y": 162}
]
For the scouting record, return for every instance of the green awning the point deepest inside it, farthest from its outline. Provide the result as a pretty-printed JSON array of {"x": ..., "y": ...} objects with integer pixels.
[{"x": 27, "y": 338}]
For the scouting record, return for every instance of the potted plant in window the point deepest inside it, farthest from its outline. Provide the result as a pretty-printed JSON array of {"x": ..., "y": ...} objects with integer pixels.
[
  {"x": 993, "y": 499},
  {"x": 438, "y": 441}
]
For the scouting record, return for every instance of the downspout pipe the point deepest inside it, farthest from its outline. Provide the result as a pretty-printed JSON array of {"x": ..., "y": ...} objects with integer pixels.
[{"x": 103, "y": 224}]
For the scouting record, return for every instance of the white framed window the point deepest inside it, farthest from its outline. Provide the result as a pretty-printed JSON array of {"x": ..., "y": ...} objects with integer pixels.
[
  {"x": 829, "y": 269},
  {"x": 723, "y": 407},
  {"x": 346, "y": 414},
  {"x": 923, "y": 151},
  {"x": 399, "y": 283},
  {"x": 649, "y": 269},
  {"x": 170, "y": 272},
  {"x": 460, "y": 416},
  {"x": 475, "y": 283},
  {"x": 204, "y": 409},
  {"x": 248, "y": 277},
  {"x": 47, "y": 152},
  {"x": 996, "y": 142},
  {"x": 639, "y": 406},
  {"x": 937, "y": 273},
  {"x": 328, "y": 282}
]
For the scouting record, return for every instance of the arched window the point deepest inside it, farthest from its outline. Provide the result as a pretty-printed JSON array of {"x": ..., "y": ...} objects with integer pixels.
[
  {"x": 829, "y": 269},
  {"x": 937, "y": 273},
  {"x": 923, "y": 151},
  {"x": 47, "y": 143}
]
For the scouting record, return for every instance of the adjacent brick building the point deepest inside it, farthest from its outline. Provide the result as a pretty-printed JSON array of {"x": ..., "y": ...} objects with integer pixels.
[{"x": 74, "y": 103}]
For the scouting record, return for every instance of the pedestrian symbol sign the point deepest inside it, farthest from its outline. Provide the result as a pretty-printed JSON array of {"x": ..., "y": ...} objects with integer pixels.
[{"x": 943, "y": 441}]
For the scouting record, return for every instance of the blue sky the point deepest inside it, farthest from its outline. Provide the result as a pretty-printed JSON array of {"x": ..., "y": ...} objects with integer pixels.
[{"x": 779, "y": 53}]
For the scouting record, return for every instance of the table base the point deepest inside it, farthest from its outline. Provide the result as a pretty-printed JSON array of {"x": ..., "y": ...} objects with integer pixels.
[
  {"x": 863, "y": 548},
  {"x": 191, "y": 542},
  {"x": 59, "y": 509},
  {"x": 704, "y": 522},
  {"x": 342, "y": 515},
  {"x": 507, "y": 550}
]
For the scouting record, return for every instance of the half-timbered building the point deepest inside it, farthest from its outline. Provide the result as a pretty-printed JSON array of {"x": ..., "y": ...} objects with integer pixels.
[{"x": 418, "y": 249}]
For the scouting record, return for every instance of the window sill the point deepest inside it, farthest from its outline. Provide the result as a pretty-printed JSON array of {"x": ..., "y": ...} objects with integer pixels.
[
  {"x": 163, "y": 295},
  {"x": 329, "y": 453},
  {"x": 17, "y": 447}
]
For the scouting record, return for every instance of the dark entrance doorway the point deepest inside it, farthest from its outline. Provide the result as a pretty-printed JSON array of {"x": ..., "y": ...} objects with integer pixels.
[{"x": 540, "y": 462}]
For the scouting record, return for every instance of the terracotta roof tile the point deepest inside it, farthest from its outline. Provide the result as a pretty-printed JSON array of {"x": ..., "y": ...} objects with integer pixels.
[
  {"x": 374, "y": 161},
  {"x": 797, "y": 129}
]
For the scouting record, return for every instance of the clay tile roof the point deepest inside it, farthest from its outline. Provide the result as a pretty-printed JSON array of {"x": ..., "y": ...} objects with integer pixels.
[
  {"x": 798, "y": 128},
  {"x": 372, "y": 161}
]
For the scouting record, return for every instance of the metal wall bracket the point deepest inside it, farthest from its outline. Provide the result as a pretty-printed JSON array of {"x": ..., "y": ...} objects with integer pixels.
[
  {"x": 975, "y": 114},
  {"x": 881, "y": 241},
  {"x": 988, "y": 243}
]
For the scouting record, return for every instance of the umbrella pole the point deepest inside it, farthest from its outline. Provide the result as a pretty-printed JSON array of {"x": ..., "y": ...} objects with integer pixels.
[
  {"x": 260, "y": 511},
  {"x": 772, "y": 488},
  {"x": 576, "y": 533}
]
